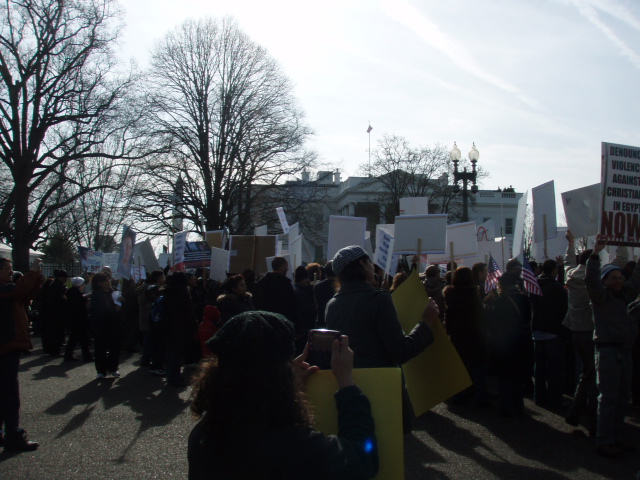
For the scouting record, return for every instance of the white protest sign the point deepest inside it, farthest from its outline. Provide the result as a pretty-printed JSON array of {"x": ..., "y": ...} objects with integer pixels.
[
  {"x": 429, "y": 230},
  {"x": 544, "y": 211},
  {"x": 294, "y": 232},
  {"x": 143, "y": 254},
  {"x": 219, "y": 264},
  {"x": 261, "y": 230},
  {"x": 295, "y": 253},
  {"x": 518, "y": 235},
  {"x": 486, "y": 231},
  {"x": 384, "y": 247},
  {"x": 164, "y": 259},
  {"x": 345, "y": 231},
  {"x": 620, "y": 206},
  {"x": 464, "y": 239},
  {"x": 498, "y": 249},
  {"x": 555, "y": 246},
  {"x": 368, "y": 246},
  {"x": 179, "y": 243},
  {"x": 582, "y": 210},
  {"x": 110, "y": 259},
  {"x": 283, "y": 220},
  {"x": 414, "y": 206}
]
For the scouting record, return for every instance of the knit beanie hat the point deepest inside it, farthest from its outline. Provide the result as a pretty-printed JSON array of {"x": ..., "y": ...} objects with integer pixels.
[
  {"x": 252, "y": 338},
  {"x": 77, "y": 281},
  {"x": 347, "y": 255},
  {"x": 607, "y": 269}
]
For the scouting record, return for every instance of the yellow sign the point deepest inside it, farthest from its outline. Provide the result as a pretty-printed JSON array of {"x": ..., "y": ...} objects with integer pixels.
[
  {"x": 437, "y": 373},
  {"x": 383, "y": 388}
]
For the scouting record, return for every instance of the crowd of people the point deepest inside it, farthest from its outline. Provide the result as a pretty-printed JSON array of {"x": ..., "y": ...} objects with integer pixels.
[{"x": 575, "y": 336}]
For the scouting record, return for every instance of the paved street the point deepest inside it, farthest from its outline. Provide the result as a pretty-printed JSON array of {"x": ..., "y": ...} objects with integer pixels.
[{"x": 136, "y": 428}]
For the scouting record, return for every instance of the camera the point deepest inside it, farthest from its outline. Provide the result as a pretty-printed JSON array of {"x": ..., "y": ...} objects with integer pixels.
[{"x": 320, "y": 347}]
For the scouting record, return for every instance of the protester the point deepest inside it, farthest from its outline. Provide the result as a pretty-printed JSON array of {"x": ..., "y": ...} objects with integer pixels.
[
  {"x": 77, "y": 322},
  {"x": 615, "y": 330},
  {"x": 208, "y": 327},
  {"x": 130, "y": 315},
  {"x": 306, "y": 309},
  {"x": 54, "y": 314},
  {"x": 397, "y": 281},
  {"x": 510, "y": 343},
  {"x": 274, "y": 292},
  {"x": 549, "y": 336},
  {"x": 323, "y": 292},
  {"x": 465, "y": 324},
  {"x": 479, "y": 271},
  {"x": 106, "y": 327},
  {"x": 256, "y": 421},
  {"x": 367, "y": 315},
  {"x": 234, "y": 299},
  {"x": 434, "y": 285},
  {"x": 147, "y": 294},
  {"x": 14, "y": 339}
]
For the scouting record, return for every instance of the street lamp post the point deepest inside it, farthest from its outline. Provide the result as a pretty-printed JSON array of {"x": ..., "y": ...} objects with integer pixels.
[{"x": 465, "y": 176}]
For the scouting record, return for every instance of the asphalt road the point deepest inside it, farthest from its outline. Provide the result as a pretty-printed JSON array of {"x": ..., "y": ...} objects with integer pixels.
[{"x": 136, "y": 427}]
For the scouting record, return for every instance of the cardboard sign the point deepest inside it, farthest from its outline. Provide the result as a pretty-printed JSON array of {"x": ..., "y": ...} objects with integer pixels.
[
  {"x": 518, "y": 233},
  {"x": 145, "y": 256},
  {"x": 620, "y": 205},
  {"x": 384, "y": 249},
  {"x": 344, "y": 232},
  {"x": 544, "y": 211},
  {"x": 216, "y": 238},
  {"x": 582, "y": 209},
  {"x": 464, "y": 238},
  {"x": 437, "y": 373},
  {"x": 429, "y": 230},
  {"x": 283, "y": 220},
  {"x": 414, "y": 206},
  {"x": 260, "y": 231},
  {"x": 555, "y": 246},
  {"x": 219, "y": 265},
  {"x": 250, "y": 252},
  {"x": 383, "y": 387}
]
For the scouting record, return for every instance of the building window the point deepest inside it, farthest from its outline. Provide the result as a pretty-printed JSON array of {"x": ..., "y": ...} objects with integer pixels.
[{"x": 508, "y": 226}]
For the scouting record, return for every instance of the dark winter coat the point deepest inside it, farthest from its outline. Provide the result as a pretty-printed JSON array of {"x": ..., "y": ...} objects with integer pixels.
[
  {"x": 465, "y": 322},
  {"x": 274, "y": 293},
  {"x": 231, "y": 305},
  {"x": 549, "y": 310}
]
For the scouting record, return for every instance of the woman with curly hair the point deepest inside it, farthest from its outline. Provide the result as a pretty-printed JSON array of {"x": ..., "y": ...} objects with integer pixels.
[
  {"x": 234, "y": 299},
  {"x": 255, "y": 420}
]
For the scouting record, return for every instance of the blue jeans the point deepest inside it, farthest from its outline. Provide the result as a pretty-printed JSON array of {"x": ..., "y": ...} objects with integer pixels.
[
  {"x": 613, "y": 367},
  {"x": 549, "y": 371}
]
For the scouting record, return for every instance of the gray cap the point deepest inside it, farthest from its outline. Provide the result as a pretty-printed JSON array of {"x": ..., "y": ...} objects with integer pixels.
[{"x": 347, "y": 255}]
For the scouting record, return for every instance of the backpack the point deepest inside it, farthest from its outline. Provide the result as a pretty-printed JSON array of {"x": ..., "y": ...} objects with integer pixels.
[{"x": 157, "y": 310}]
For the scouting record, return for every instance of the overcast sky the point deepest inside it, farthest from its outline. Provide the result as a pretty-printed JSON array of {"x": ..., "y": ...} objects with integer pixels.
[{"x": 537, "y": 85}]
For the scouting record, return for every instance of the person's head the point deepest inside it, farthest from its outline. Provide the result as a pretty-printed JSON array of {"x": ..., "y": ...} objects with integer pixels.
[
  {"x": 328, "y": 270},
  {"x": 353, "y": 264},
  {"x": 397, "y": 280},
  {"x": 315, "y": 271},
  {"x": 612, "y": 278},
  {"x": 550, "y": 268},
  {"x": 177, "y": 280},
  {"x": 100, "y": 282},
  {"x": 584, "y": 256},
  {"x": 16, "y": 276},
  {"x": 249, "y": 386},
  {"x": 192, "y": 280},
  {"x": 280, "y": 265},
  {"x": 462, "y": 277},
  {"x": 301, "y": 276},
  {"x": 77, "y": 282},
  {"x": 249, "y": 276},
  {"x": 157, "y": 278},
  {"x": 6, "y": 271},
  {"x": 514, "y": 266},
  {"x": 448, "y": 277},
  {"x": 451, "y": 266},
  {"x": 506, "y": 281},
  {"x": 432, "y": 271},
  {"x": 479, "y": 271},
  {"x": 236, "y": 285},
  {"x": 535, "y": 268},
  {"x": 106, "y": 270},
  {"x": 60, "y": 276}
]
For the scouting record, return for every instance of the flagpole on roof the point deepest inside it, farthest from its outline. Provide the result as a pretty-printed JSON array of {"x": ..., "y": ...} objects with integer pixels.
[{"x": 369, "y": 132}]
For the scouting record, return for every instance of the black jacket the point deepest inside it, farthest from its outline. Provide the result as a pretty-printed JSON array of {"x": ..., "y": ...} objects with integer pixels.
[
  {"x": 274, "y": 293},
  {"x": 549, "y": 310}
]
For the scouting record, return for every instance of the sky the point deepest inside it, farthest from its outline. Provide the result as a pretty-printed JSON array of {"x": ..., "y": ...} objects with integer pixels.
[{"x": 536, "y": 85}]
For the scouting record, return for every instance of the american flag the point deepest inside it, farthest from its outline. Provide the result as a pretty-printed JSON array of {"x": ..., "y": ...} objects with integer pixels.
[
  {"x": 493, "y": 273},
  {"x": 530, "y": 280}
]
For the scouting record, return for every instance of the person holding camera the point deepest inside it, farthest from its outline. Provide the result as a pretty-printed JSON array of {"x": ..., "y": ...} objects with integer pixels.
[{"x": 255, "y": 420}]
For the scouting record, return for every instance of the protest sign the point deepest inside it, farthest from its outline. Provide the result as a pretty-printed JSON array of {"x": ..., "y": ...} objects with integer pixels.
[
  {"x": 582, "y": 210},
  {"x": 464, "y": 238},
  {"x": 196, "y": 254},
  {"x": 219, "y": 264},
  {"x": 368, "y": 246},
  {"x": 555, "y": 246},
  {"x": 294, "y": 232},
  {"x": 518, "y": 233},
  {"x": 83, "y": 253},
  {"x": 384, "y": 249},
  {"x": 430, "y": 231},
  {"x": 250, "y": 252},
  {"x": 414, "y": 206},
  {"x": 164, "y": 259},
  {"x": 383, "y": 388},
  {"x": 486, "y": 231},
  {"x": 216, "y": 238},
  {"x": 179, "y": 245},
  {"x": 620, "y": 204},
  {"x": 125, "y": 258},
  {"x": 499, "y": 250},
  {"x": 437, "y": 373},
  {"x": 344, "y": 232},
  {"x": 295, "y": 252},
  {"x": 261, "y": 230},
  {"x": 283, "y": 220},
  {"x": 110, "y": 260},
  {"x": 544, "y": 212},
  {"x": 143, "y": 254}
]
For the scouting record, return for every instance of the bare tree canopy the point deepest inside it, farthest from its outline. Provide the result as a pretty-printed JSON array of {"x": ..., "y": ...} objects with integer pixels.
[
  {"x": 62, "y": 104},
  {"x": 229, "y": 114}
]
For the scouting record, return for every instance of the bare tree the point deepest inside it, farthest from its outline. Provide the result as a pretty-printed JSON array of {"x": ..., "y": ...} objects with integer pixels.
[
  {"x": 62, "y": 104},
  {"x": 229, "y": 115}
]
